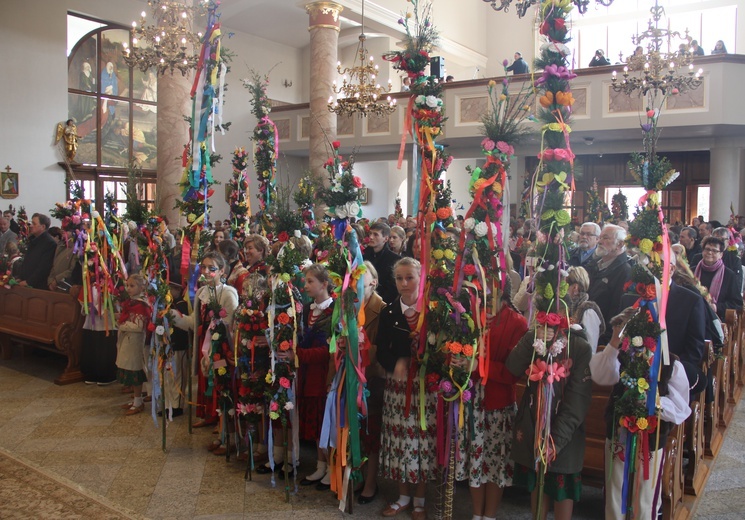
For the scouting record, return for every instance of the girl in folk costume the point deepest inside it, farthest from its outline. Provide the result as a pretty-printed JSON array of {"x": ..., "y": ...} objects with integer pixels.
[
  {"x": 571, "y": 387},
  {"x": 373, "y": 306},
  {"x": 132, "y": 323},
  {"x": 215, "y": 305},
  {"x": 407, "y": 453},
  {"x": 313, "y": 355},
  {"x": 486, "y": 441}
]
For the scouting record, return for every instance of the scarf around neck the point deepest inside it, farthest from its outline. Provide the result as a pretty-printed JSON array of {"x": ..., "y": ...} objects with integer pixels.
[{"x": 716, "y": 283}]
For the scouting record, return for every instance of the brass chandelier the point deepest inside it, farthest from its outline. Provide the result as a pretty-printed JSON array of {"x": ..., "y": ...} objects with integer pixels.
[
  {"x": 522, "y": 6},
  {"x": 670, "y": 72},
  {"x": 359, "y": 93},
  {"x": 169, "y": 42}
]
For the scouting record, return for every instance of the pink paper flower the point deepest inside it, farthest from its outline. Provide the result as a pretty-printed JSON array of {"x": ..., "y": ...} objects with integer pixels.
[
  {"x": 284, "y": 382},
  {"x": 487, "y": 144},
  {"x": 505, "y": 148}
]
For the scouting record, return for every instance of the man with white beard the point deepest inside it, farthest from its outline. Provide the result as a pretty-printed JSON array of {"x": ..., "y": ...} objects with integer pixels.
[{"x": 609, "y": 271}]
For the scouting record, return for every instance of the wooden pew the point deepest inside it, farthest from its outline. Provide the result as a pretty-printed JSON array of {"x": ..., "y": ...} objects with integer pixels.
[
  {"x": 741, "y": 336},
  {"x": 724, "y": 416},
  {"x": 733, "y": 321},
  {"x": 712, "y": 433},
  {"x": 45, "y": 319},
  {"x": 672, "y": 477}
]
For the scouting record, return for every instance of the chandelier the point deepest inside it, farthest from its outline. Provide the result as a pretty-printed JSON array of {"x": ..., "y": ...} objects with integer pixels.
[
  {"x": 669, "y": 72},
  {"x": 358, "y": 92},
  {"x": 522, "y": 6},
  {"x": 168, "y": 42}
]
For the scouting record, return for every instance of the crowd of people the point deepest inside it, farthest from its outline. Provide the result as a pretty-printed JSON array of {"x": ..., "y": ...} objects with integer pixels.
[{"x": 495, "y": 448}]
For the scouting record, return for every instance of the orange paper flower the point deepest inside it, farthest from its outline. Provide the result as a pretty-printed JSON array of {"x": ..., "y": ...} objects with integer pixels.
[
  {"x": 283, "y": 318},
  {"x": 444, "y": 213},
  {"x": 468, "y": 350}
]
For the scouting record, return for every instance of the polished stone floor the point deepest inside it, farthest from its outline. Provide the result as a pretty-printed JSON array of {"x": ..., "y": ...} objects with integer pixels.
[{"x": 79, "y": 433}]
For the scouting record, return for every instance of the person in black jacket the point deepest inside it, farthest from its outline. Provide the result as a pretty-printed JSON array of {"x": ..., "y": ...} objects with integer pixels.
[
  {"x": 40, "y": 254},
  {"x": 609, "y": 271},
  {"x": 717, "y": 277},
  {"x": 381, "y": 256},
  {"x": 599, "y": 59},
  {"x": 518, "y": 66}
]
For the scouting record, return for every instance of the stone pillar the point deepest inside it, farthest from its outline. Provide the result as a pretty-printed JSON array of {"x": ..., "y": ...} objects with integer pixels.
[
  {"x": 324, "y": 39},
  {"x": 727, "y": 181},
  {"x": 174, "y": 103}
]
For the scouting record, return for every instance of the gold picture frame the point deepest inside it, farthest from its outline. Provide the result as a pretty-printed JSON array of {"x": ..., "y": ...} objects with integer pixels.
[
  {"x": 8, "y": 184},
  {"x": 364, "y": 195}
]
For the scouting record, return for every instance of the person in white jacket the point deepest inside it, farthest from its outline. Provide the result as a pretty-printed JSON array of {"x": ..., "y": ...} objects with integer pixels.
[{"x": 674, "y": 409}]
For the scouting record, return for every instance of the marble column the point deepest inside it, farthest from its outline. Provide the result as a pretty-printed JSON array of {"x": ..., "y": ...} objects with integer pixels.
[
  {"x": 174, "y": 103},
  {"x": 324, "y": 38},
  {"x": 727, "y": 181}
]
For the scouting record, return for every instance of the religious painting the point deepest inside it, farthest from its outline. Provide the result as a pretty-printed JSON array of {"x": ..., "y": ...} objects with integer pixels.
[
  {"x": 8, "y": 184},
  {"x": 364, "y": 195}
]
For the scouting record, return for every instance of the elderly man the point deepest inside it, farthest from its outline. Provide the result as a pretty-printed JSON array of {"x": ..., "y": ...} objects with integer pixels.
[
  {"x": 609, "y": 271},
  {"x": 6, "y": 234},
  {"x": 14, "y": 227},
  {"x": 689, "y": 240},
  {"x": 40, "y": 254},
  {"x": 588, "y": 241},
  {"x": 718, "y": 278},
  {"x": 704, "y": 230}
]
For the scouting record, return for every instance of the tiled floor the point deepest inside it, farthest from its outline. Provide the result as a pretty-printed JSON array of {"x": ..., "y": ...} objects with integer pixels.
[{"x": 79, "y": 432}]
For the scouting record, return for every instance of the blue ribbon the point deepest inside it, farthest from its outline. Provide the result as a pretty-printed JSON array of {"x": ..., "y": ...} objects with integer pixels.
[{"x": 654, "y": 370}]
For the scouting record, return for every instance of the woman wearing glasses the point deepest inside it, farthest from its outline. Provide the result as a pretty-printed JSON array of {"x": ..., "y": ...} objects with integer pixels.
[{"x": 717, "y": 278}]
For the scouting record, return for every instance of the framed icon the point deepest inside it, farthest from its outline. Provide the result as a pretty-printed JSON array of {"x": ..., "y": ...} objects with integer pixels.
[{"x": 8, "y": 184}]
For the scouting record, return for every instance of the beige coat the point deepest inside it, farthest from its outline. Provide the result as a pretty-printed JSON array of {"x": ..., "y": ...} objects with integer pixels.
[{"x": 130, "y": 344}]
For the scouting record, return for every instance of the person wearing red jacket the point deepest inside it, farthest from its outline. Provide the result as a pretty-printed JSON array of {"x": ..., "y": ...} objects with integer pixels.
[{"x": 486, "y": 462}]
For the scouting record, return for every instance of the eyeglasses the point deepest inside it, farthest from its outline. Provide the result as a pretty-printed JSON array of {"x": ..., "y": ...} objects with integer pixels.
[
  {"x": 711, "y": 250},
  {"x": 587, "y": 234},
  {"x": 211, "y": 268}
]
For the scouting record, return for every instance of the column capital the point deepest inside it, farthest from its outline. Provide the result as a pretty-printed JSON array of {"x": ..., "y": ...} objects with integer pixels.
[{"x": 324, "y": 14}]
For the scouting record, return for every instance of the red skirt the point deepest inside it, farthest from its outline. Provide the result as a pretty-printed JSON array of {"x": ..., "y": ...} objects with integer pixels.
[{"x": 310, "y": 414}]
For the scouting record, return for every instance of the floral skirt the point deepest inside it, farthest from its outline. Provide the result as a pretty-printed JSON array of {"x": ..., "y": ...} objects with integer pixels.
[
  {"x": 485, "y": 444},
  {"x": 131, "y": 377},
  {"x": 557, "y": 486},
  {"x": 407, "y": 453}
]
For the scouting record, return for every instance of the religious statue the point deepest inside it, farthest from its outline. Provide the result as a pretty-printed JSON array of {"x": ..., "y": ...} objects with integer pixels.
[{"x": 68, "y": 132}]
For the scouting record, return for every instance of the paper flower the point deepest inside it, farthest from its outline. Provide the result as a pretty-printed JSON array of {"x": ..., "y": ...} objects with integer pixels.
[{"x": 160, "y": 330}]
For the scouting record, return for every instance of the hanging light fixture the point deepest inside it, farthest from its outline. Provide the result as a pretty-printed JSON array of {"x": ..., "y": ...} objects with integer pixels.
[
  {"x": 359, "y": 93},
  {"x": 522, "y": 6},
  {"x": 169, "y": 42},
  {"x": 666, "y": 72}
]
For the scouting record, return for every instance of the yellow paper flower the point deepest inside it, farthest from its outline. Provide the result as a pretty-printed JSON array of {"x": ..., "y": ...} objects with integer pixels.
[
  {"x": 449, "y": 254},
  {"x": 221, "y": 371},
  {"x": 273, "y": 416},
  {"x": 646, "y": 246},
  {"x": 437, "y": 254},
  {"x": 642, "y": 423},
  {"x": 492, "y": 83},
  {"x": 268, "y": 378},
  {"x": 642, "y": 384},
  {"x": 285, "y": 277}
]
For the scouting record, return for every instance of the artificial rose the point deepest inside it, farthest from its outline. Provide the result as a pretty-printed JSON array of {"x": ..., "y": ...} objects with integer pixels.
[
  {"x": 505, "y": 148},
  {"x": 449, "y": 254},
  {"x": 443, "y": 213},
  {"x": 289, "y": 406},
  {"x": 645, "y": 246},
  {"x": 285, "y": 345},
  {"x": 455, "y": 347},
  {"x": 551, "y": 319},
  {"x": 284, "y": 382},
  {"x": 446, "y": 386},
  {"x": 283, "y": 318},
  {"x": 283, "y": 236},
  {"x": 488, "y": 145},
  {"x": 356, "y": 181},
  {"x": 353, "y": 209},
  {"x": 469, "y": 223},
  {"x": 468, "y": 350},
  {"x": 481, "y": 229},
  {"x": 437, "y": 254},
  {"x": 297, "y": 233},
  {"x": 420, "y": 100},
  {"x": 215, "y": 336},
  {"x": 469, "y": 270},
  {"x": 336, "y": 145},
  {"x": 341, "y": 212},
  {"x": 274, "y": 406},
  {"x": 159, "y": 330},
  {"x": 637, "y": 341},
  {"x": 432, "y": 101}
]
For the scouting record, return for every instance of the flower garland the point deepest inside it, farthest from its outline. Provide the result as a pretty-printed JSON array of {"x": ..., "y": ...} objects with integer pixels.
[
  {"x": 553, "y": 178},
  {"x": 597, "y": 210},
  {"x": 342, "y": 194},
  {"x": 619, "y": 207},
  {"x": 305, "y": 197},
  {"x": 266, "y": 145},
  {"x": 238, "y": 200}
]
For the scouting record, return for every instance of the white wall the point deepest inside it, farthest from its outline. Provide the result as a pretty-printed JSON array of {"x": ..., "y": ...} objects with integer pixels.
[{"x": 383, "y": 181}]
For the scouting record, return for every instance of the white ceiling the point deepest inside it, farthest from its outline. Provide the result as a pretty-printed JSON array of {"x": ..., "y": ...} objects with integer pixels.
[{"x": 280, "y": 21}]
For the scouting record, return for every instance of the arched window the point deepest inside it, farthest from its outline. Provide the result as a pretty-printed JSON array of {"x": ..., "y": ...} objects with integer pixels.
[{"x": 115, "y": 109}]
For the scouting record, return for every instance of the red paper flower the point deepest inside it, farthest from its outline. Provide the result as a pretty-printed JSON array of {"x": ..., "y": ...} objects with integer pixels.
[
  {"x": 336, "y": 144},
  {"x": 469, "y": 270},
  {"x": 283, "y": 236},
  {"x": 283, "y": 318}
]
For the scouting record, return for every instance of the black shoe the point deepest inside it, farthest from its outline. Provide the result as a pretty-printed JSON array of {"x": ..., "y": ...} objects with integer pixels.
[
  {"x": 362, "y": 499},
  {"x": 306, "y": 482},
  {"x": 176, "y": 412},
  {"x": 263, "y": 470},
  {"x": 323, "y": 487}
]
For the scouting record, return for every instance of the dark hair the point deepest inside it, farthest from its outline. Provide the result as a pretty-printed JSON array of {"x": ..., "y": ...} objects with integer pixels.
[
  {"x": 713, "y": 240},
  {"x": 217, "y": 258},
  {"x": 55, "y": 232},
  {"x": 229, "y": 249},
  {"x": 384, "y": 228},
  {"x": 692, "y": 231},
  {"x": 43, "y": 219},
  {"x": 320, "y": 273}
]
